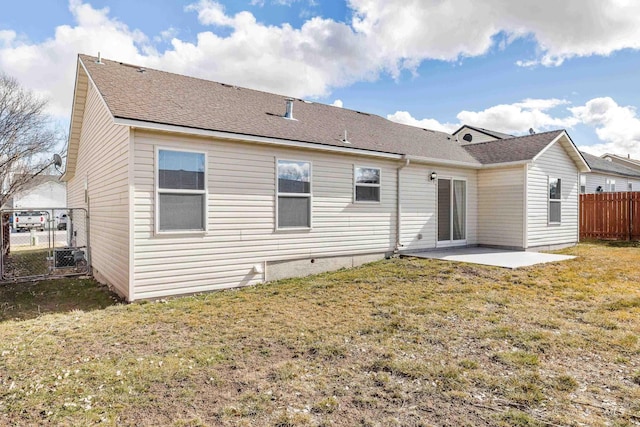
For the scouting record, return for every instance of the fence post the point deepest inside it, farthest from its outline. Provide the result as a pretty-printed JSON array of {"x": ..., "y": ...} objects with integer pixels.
[{"x": 630, "y": 206}]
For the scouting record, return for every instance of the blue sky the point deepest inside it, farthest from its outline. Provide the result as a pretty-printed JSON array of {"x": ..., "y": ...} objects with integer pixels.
[{"x": 435, "y": 64}]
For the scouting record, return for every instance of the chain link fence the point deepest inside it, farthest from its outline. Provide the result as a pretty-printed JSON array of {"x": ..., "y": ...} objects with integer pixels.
[{"x": 40, "y": 243}]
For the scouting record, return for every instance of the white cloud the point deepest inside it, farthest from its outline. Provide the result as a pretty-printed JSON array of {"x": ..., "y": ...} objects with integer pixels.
[
  {"x": 48, "y": 68},
  {"x": 516, "y": 118},
  {"x": 406, "y": 118},
  {"x": 167, "y": 34},
  {"x": 519, "y": 117},
  {"x": 337, "y": 103},
  {"x": 617, "y": 127},
  {"x": 458, "y": 28},
  {"x": 381, "y": 37},
  {"x": 210, "y": 13}
]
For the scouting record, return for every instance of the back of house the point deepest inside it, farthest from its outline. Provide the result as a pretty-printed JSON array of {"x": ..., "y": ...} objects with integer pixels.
[{"x": 193, "y": 185}]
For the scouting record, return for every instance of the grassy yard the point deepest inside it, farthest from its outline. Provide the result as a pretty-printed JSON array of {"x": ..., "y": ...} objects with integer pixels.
[{"x": 399, "y": 342}]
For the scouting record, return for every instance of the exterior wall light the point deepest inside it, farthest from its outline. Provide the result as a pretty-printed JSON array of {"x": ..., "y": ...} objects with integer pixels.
[{"x": 433, "y": 176}]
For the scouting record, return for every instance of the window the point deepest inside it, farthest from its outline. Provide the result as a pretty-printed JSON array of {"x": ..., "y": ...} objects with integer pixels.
[
  {"x": 555, "y": 200},
  {"x": 583, "y": 184},
  {"x": 630, "y": 186},
  {"x": 181, "y": 191},
  {"x": 293, "y": 194},
  {"x": 366, "y": 184},
  {"x": 610, "y": 185}
]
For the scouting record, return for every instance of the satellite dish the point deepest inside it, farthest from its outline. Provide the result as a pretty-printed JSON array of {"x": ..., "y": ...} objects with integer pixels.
[
  {"x": 57, "y": 160},
  {"x": 531, "y": 131}
]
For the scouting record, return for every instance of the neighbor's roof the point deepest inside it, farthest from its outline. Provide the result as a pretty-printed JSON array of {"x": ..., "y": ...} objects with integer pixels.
[
  {"x": 512, "y": 149},
  {"x": 489, "y": 132},
  {"x": 599, "y": 164},
  {"x": 34, "y": 181},
  {"x": 160, "y": 97},
  {"x": 627, "y": 160}
]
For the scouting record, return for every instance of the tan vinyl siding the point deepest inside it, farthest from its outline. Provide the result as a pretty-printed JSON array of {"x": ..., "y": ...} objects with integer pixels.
[
  {"x": 555, "y": 163},
  {"x": 419, "y": 205},
  {"x": 102, "y": 163},
  {"x": 241, "y": 216},
  {"x": 501, "y": 207}
]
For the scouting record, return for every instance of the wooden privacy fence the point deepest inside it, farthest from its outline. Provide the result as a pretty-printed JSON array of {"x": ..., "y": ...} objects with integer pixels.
[{"x": 614, "y": 216}]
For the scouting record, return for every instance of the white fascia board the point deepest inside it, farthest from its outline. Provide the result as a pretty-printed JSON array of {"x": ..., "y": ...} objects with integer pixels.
[
  {"x": 138, "y": 124},
  {"x": 71, "y": 122},
  {"x": 505, "y": 164},
  {"x": 443, "y": 162}
]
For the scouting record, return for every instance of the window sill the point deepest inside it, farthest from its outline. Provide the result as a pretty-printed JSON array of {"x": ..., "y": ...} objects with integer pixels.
[
  {"x": 292, "y": 229},
  {"x": 363, "y": 202},
  {"x": 178, "y": 233}
]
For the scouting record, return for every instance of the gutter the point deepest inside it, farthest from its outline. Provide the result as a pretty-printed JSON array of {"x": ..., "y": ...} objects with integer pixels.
[{"x": 398, "y": 203}]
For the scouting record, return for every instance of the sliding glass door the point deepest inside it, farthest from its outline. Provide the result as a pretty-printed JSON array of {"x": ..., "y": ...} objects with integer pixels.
[{"x": 452, "y": 211}]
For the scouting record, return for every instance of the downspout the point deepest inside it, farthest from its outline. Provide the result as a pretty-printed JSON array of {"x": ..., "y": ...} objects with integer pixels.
[
  {"x": 398, "y": 204},
  {"x": 525, "y": 209}
]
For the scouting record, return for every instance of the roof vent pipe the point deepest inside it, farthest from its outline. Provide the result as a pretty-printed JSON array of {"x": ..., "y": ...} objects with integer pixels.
[
  {"x": 345, "y": 140},
  {"x": 289, "y": 113},
  {"x": 99, "y": 60}
]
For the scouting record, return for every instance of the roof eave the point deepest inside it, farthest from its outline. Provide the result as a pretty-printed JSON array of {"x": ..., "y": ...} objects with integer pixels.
[
  {"x": 505, "y": 164},
  {"x": 582, "y": 164},
  {"x": 619, "y": 174},
  {"x": 445, "y": 162}
]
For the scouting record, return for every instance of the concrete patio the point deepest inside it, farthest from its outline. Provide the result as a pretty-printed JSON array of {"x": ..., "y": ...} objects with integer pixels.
[{"x": 488, "y": 256}]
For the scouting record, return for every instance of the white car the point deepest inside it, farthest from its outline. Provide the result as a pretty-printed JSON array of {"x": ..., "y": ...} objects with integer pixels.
[
  {"x": 26, "y": 220},
  {"x": 62, "y": 222}
]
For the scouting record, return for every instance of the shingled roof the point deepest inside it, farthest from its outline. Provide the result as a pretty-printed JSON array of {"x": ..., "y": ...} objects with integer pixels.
[
  {"x": 152, "y": 96},
  {"x": 602, "y": 165},
  {"x": 513, "y": 149}
]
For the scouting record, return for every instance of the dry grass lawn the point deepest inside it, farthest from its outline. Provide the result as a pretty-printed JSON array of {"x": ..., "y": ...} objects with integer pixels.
[{"x": 400, "y": 342}]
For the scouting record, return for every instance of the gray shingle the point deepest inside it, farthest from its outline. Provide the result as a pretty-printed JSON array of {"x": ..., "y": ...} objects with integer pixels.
[
  {"x": 167, "y": 98},
  {"x": 599, "y": 164},
  {"x": 514, "y": 149}
]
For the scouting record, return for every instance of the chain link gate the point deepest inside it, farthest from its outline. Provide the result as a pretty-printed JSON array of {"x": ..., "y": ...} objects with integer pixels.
[{"x": 43, "y": 243}]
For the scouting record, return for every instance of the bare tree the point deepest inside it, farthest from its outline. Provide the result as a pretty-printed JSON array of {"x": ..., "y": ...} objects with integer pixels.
[{"x": 27, "y": 137}]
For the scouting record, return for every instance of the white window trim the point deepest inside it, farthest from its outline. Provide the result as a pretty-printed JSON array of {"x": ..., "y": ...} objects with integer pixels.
[
  {"x": 158, "y": 191},
  {"x": 550, "y": 200},
  {"x": 451, "y": 242},
  {"x": 355, "y": 185},
  {"x": 279, "y": 194},
  {"x": 610, "y": 185}
]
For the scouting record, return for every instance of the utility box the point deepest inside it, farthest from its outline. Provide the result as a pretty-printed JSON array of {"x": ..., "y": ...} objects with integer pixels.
[{"x": 64, "y": 258}]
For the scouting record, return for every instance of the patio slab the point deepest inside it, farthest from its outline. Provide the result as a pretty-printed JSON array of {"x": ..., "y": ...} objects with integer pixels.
[{"x": 488, "y": 256}]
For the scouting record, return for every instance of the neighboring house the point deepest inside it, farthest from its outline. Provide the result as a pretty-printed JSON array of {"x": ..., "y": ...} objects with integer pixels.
[
  {"x": 471, "y": 134},
  {"x": 193, "y": 185},
  {"x": 608, "y": 176},
  {"x": 624, "y": 161},
  {"x": 44, "y": 191}
]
